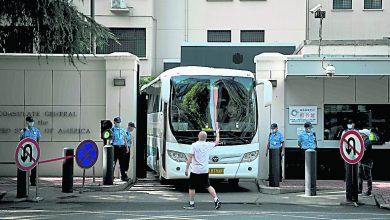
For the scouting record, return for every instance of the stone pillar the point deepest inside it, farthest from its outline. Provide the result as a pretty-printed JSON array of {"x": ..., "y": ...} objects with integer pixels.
[{"x": 270, "y": 66}]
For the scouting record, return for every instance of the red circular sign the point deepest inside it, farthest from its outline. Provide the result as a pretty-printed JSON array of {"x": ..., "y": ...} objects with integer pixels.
[
  {"x": 27, "y": 154},
  {"x": 351, "y": 147}
]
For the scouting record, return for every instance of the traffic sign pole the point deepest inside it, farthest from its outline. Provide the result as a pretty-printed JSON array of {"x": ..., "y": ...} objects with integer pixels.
[
  {"x": 352, "y": 183},
  {"x": 37, "y": 198},
  {"x": 351, "y": 150},
  {"x": 27, "y": 155},
  {"x": 86, "y": 156},
  {"x": 82, "y": 187}
]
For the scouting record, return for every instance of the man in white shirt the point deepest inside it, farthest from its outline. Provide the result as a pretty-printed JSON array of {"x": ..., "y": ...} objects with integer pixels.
[{"x": 199, "y": 176}]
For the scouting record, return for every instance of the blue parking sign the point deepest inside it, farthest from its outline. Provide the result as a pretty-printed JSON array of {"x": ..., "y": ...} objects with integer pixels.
[{"x": 87, "y": 154}]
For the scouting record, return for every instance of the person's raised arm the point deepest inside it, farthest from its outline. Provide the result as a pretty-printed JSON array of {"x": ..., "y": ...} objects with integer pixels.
[{"x": 217, "y": 137}]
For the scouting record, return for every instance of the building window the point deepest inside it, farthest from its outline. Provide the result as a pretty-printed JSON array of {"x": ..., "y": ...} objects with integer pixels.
[
  {"x": 118, "y": 4},
  {"x": 342, "y": 4},
  {"x": 372, "y": 4},
  {"x": 252, "y": 36},
  {"x": 153, "y": 92},
  {"x": 219, "y": 36},
  {"x": 374, "y": 117},
  {"x": 132, "y": 40}
]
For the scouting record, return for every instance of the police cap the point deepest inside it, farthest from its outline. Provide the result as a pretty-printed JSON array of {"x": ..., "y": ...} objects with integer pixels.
[
  {"x": 131, "y": 124},
  {"x": 307, "y": 125},
  {"x": 117, "y": 120},
  {"x": 274, "y": 125},
  {"x": 29, "y": 119}
]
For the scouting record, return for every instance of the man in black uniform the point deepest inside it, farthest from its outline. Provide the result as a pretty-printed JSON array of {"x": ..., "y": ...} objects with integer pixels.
[{"x": 366, "y": 163}]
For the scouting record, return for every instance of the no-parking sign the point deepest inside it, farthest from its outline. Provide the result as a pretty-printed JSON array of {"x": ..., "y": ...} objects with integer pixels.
[
  {"x": 351, "y": 147},
  {"x": 87, "y": 154},
  {"x": 27, "y": 154}
]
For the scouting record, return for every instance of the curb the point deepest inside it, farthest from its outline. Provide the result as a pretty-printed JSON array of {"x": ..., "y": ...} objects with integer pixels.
[
  {"x": 263, "y": 188},
  {"x": 102, "y": 188},
  {"x": 111, "y": 188},
  {"x": 380, "y": 202},
  {"x": 278, "y": 190}
]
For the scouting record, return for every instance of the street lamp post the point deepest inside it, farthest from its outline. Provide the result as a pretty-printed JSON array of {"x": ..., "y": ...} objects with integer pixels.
[{"x": 93, "y": 39}]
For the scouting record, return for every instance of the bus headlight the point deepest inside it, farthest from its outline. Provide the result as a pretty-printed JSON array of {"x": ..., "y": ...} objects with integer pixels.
[
  {"x": 177, "y": 156},
  {"x": 250, "y": 156}
]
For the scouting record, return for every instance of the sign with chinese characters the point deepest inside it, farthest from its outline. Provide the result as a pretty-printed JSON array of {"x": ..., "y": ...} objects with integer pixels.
[{"x": 301, "y": 114}]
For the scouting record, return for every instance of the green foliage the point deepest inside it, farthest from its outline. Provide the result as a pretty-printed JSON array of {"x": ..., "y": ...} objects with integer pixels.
[
  {"x": 194, "y": 107},
  {"x": 145, "y": 80},
  {"x": 56, "y": 26}
]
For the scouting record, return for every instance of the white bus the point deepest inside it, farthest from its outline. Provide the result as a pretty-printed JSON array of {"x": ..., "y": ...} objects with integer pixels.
[{"x": 185, "y": 100}]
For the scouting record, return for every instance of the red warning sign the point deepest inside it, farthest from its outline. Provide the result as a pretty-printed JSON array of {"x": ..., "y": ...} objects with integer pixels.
[
  {"x": 27, "y": 154},
  {"x": 351, "y": 147}
]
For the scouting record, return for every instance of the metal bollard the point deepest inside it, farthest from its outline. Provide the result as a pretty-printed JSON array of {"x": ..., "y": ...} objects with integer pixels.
[
  {"x": 22, "y": 184},
  {"x": 274, "y": 167},
  {"x": 108, "y": 165},
  {"x": 67, "y": 171},
  {"x": 352, "y": 182},
  {"x": 310, "y": 172}
]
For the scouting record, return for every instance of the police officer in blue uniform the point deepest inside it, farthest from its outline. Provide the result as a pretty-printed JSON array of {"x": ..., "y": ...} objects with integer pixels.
[
  {"x": 129, "y": 138},
  {"x": 276, "y": 141},
  {"x": 307, "y": 139},
  {"x": 119, "y": 141},
  {"x": 31, "y": 132}
]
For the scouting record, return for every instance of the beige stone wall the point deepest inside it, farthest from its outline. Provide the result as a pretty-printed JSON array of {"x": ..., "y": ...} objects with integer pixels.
[{"x": 66, "y": 103}]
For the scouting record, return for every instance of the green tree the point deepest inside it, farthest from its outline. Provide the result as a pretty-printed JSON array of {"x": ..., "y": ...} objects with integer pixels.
[
  {"x": 195, "y": 103},
  {"x": 145, "y": 80},
  {"x": 48, "y": 26}
]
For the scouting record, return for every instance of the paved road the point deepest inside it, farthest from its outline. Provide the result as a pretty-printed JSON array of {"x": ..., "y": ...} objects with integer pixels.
[
  {"x": 150, "y": 200},
  {"x": 142, "y": 210}
]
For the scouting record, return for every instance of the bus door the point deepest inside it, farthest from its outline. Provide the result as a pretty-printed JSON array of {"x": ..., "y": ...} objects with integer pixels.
[{"x": 163, "y": 140}]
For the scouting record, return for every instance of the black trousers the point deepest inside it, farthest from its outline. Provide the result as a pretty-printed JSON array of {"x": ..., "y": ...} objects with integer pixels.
[
  {"x": 365, "y": 174},
  {"x": 120, "y": 154},
  {"x": 127, "y": 161}
]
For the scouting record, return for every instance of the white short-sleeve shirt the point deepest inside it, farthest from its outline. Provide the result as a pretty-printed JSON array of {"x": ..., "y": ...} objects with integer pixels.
[{"x": 200, "y": 160}]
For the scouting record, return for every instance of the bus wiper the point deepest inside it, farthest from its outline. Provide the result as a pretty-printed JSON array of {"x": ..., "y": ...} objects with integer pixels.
[
  {"x": 185, "y": 138},
  {"x": 235, "y": 136}
]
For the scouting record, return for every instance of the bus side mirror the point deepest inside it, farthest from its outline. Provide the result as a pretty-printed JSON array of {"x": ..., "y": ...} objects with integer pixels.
[
  {"x": 165, "y": 89},
  {"x": 267, "y": 91}
]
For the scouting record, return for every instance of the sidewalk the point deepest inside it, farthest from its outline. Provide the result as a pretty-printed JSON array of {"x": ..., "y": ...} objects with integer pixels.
[
  {"x": 8, "y": 184},
  {"x": 381, "y": 189}
]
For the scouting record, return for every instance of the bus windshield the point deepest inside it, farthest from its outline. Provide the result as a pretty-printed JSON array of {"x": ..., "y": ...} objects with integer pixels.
[{"x": 197, "y": 102}]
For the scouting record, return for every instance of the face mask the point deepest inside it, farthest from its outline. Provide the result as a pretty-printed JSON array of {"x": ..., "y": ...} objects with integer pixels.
[
  {"x": 308, "y": 130},
  {"x": 349, "y": 126},
  {"x": 117, "y": 125},
  {"x": 31, "y": 124},
  {"x": 273, "y": 130}
]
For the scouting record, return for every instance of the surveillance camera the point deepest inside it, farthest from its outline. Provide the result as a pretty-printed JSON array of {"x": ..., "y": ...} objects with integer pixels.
[
  {"x": 316, "y": 8},
  {"x": 330, "y": 70}
]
